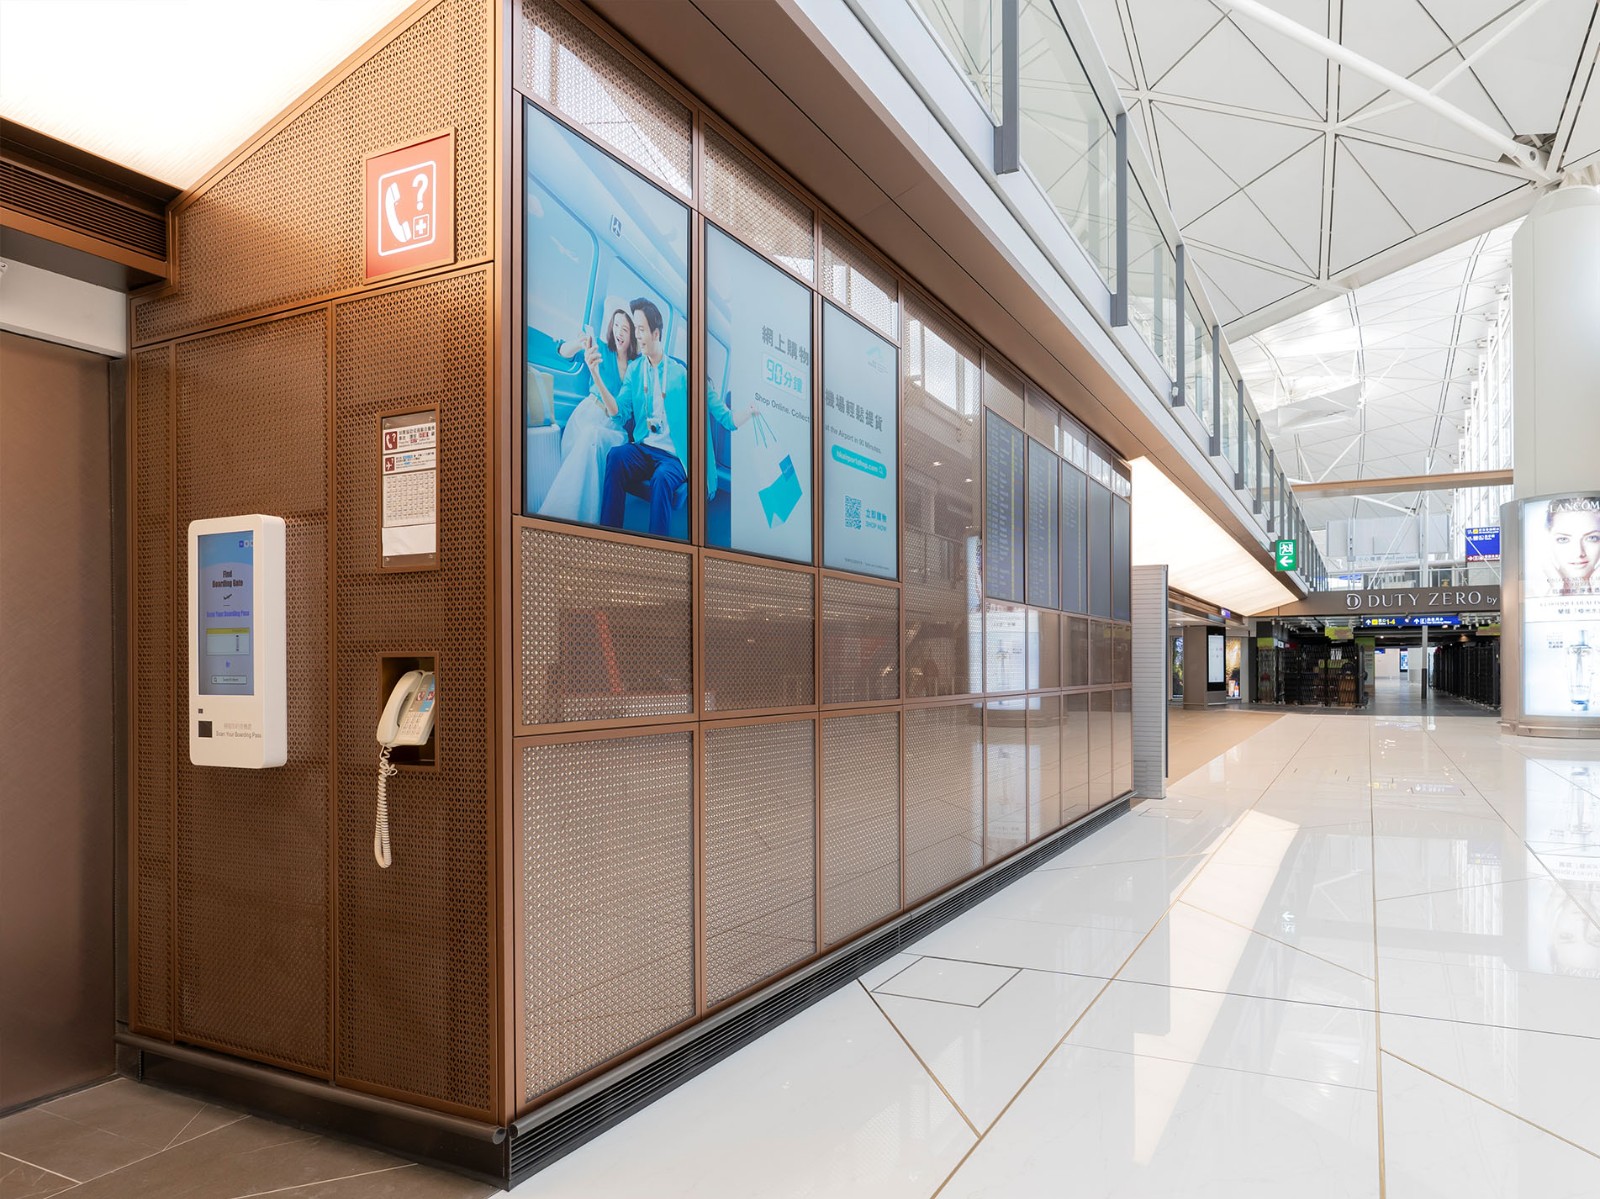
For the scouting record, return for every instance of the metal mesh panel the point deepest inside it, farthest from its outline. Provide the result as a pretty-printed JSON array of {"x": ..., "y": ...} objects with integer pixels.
[
  {"x": 1002, "y": 391},
  {"x": 1074, "y": 756},
  {"x": 759, "y": 646},
  {"x": 1005, "y": 791},
  {"x": 1102, "y": 652},
  {"x": 1044, "y": 662},
  {"x": 754, "y": 207},
  {"x": 760, "y": 852},
  {"x": 1006, "y": 647},
  {"x": 607, "y": 895},
  {"x": 941, "y": 509},
  {"x": 154, "y": 698},
  {"x": 1121, "y": 742},
  {"x": 860, "y": 642},
  {"x": 1100, "y": 771},
  {"x": 943, "y": 796},
  {"x": 854, "y": 281},
  {"x": 575, "y": 72},
  {"x": 285, "y": 224},
  {"x": 605, "y": 629},
  {"x": 252, "y": 901},
  {"x": 416, "y": 962},
  {"x": 1076, "y": 652},
  {"x": 1044, "y": 765},
  {"x": 1122, "y": 653},
  {"x": 860, "y": 822}
]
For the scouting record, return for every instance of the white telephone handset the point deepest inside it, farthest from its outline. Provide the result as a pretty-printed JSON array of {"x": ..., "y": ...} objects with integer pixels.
[
  {"x": 406, "y": 720},
  {"x": 391, "y": 200}
]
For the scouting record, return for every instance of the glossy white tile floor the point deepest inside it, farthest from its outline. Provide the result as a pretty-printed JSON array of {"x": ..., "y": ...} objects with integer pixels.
[{"x": 1351, "y": 956}]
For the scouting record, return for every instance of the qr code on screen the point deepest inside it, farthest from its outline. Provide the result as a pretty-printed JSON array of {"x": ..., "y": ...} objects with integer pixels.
[{"x": 852, "y": 512}]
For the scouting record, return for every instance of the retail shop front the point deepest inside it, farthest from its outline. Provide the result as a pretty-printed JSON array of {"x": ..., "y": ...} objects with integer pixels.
[{"x": 727, "y": 610}]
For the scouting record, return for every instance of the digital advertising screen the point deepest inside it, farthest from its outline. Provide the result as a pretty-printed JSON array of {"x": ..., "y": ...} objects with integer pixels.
[
  {"x": 1005, "y": 508},
  {"x": 860, "y": 448},
  {"x": 1561, "y": 605},
  {"x": 226, "y": 663},
  {"x": 758, "y": 404},
  {"x": 1216, "y": 658},
  {"x": 606, "y": 341}
]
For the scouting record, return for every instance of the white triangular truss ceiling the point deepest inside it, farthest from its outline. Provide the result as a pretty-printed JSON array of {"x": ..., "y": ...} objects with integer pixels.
[{"x": 1294, "y": 178}]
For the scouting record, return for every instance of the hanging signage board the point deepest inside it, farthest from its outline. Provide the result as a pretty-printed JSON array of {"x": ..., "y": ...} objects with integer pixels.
[
  {"x": 1483, "y": 544},
  {"x": 1395, "y": 601},
  {"x": 409, "y": 207},
  {"x": 1286, "y": 555}
]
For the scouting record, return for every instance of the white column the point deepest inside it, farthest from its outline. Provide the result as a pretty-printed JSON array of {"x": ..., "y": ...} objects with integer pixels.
[{"x": 1555, "y": 326}]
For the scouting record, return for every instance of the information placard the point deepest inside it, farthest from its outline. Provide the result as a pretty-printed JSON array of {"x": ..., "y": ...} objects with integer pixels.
[
  {"x": 860, "y": 448},
  {"x": 1074, "y": 591},
  {"x": 1044, "y": 526},
  {"x": 408, "y": 466},
  {"x": 1005, "y": 508}
]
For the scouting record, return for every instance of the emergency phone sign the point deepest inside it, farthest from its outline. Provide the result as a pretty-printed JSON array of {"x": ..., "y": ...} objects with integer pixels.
[{"x": 410, "y": 207}]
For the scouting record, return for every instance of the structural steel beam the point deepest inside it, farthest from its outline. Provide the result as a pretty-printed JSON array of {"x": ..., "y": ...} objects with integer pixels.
[{"x": 1460, "y": 480}]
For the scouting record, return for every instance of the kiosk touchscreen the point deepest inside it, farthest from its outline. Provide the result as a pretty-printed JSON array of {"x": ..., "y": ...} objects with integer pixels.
[{"x": 238, "y": 709}]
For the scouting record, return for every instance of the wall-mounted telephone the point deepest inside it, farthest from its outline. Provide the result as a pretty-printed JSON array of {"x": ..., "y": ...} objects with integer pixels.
[{"x": 406, "y": 720}]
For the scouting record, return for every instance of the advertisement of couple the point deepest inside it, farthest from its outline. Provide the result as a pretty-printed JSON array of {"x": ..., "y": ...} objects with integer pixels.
[{"x": 608, "y": 425}]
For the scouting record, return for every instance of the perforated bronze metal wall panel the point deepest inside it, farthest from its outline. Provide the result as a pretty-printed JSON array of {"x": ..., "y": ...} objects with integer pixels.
[
  {"x": 1075, "y": 652},
  {"x": 416, "y": 962},
  {"x": 943, "y": 796},
  {"x": 1002, "y": 391},
  {"x": 759, "y": 630},
  {"x": 1101, "y": 777},
  {"x": 155, "y": 701},
  {"x": 1121, "y": 741},
  {"x": 575, "y": 72},
  {"x": 607, "y": 896},
  {"x": 860, "y": 641},
  {"x": 1074, "y": 756},
  {"x": 606, "y": 629},
  {"x": 760, "y": 852},
  {"x": 1044, "y": 666},
  {"x": 1006, "y": 647},
  {"x": 1044, "y": 765},
  {"x": 942, "y": 514},
  {"x": 1122, "y": 654},
  {"x": 1102, "y": 652},
  {"x": 860, "y": 822},
  {"x": 285, "y": 224},
  {"x": 1005, "y": 803},
  {"x": 749, "y": 203},
  {"x": 856, "y": 282},
  {"x": 252, "y": 868}
]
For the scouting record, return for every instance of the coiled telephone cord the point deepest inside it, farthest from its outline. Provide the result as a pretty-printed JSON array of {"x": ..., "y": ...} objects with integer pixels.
[{"x": 380, "y": 834}]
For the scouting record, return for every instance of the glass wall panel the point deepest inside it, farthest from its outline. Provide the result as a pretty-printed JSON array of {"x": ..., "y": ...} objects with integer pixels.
[
  {"x": 1006, "y": 647},
  {"x": 1067, "y": 143},
  {"x": 1230, "y": 424},
  {"x": 1197, "y": 361},
  {"x": 1153, "y": 282},
  {"x": 970, "y": 32},
  {"x": 1102, "y": 775},
  {"x": 940, "y": 439},
  {"x": 1121, "y": 553},
  {"x": 1074, "y": 756},
  {"x": 1006, "y": 778},
  {"x": 1122, "y": 742},
  {"x": 1099, "y": 550},
  {"x": 1247, "y": 455},
  {"x": 1044, "y": 765}
]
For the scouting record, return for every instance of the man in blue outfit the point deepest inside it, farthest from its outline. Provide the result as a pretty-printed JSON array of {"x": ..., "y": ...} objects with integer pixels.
[{"x": 654, "y": 463}]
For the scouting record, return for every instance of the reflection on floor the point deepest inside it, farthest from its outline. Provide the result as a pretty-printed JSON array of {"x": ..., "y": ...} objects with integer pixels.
[
  {"x": 120, "y": 1140},
  {"x": 1196, "y": 735},
  {"x": 1398, "y": 697},
  {"x": 1349, "y": 956}
]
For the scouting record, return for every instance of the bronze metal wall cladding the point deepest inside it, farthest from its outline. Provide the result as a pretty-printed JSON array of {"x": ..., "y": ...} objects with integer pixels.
[
  {"x": 943, "y": 796},
  {"x": 755, "y": 208},
  {"x": 605, "y": 629},
  {"x": 860, "y": 822},
  {"x": 852, "y": 280},
  {"x": 284, "y": 224},
  {"x": 860, "y": 641},
  {"x": 760, "y": 852},
  {"x": 1044, "y": 765},
  {"x": 760, "y": 636},
  {"x": 607, "y": 899},
  {"x": 252, "y": 864}
]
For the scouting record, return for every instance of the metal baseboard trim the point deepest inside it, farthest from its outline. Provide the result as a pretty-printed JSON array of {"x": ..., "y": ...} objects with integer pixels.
[
  {"x": 557, "y": 1128},
  {"x": 451, "y": 1142}
]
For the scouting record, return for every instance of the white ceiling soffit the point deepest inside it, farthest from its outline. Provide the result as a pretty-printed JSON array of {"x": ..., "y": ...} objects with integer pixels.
[
  {"x": 169, "y": 88},
  {"x": 1294, "y": 178},
  {"x": 1376, "y": 383},
  {"x": 1171, "y": 530}
]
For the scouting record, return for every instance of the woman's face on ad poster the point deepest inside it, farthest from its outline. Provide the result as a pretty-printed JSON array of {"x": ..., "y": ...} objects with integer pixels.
[
  {"x": 621, "y": 331},
  {"x": 1575, "y": 543}
]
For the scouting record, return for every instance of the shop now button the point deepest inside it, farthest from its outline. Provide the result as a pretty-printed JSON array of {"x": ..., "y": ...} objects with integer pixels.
[{"x": 861, "y": 462}]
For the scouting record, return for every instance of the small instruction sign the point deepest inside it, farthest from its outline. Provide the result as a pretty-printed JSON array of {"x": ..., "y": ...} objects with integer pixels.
[
  {"x": 408, "y": 459},
  {"x": 410, "y": 207}
]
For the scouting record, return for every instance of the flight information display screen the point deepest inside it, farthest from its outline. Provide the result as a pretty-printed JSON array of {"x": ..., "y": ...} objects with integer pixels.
[{"x": 226, "y": 663}]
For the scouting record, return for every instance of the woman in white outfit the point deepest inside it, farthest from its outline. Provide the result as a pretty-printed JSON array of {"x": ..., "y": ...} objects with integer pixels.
[{"x": 595, "y": 426}]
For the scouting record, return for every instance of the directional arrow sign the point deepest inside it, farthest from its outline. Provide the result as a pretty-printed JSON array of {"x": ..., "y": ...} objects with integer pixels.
[{"x": 1286, "y": 554}]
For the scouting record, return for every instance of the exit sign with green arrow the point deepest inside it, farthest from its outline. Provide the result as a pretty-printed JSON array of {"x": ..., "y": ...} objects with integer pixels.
[{"x": 1286, "y": 554}]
